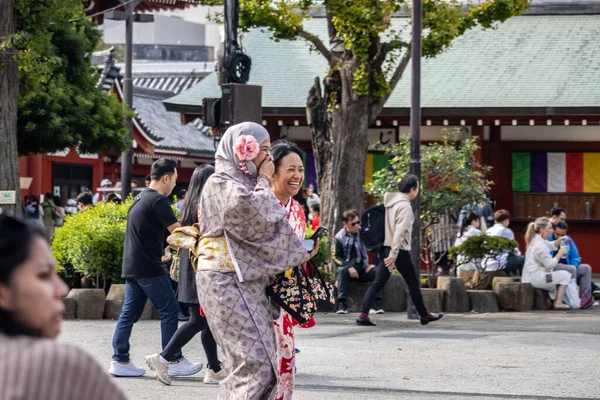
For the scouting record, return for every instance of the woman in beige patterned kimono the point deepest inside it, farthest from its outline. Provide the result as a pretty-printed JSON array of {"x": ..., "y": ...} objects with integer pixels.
[{"x": 237, "y": 202}]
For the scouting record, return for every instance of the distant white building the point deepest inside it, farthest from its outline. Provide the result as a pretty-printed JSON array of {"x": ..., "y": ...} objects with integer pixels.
[{"x": 168, "y": 38}]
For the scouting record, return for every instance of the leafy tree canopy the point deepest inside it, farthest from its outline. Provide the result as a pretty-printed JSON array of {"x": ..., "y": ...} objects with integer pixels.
[
  {"x": 451, "y": 178},
  {"x": 364, "y": 29},
  {"x": 60, "y": 102}
]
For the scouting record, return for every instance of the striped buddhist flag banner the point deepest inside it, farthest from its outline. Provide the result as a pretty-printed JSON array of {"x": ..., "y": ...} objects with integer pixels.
[
  {"x": 542, "y": 172},
  {"x": 375, "y": 162}
]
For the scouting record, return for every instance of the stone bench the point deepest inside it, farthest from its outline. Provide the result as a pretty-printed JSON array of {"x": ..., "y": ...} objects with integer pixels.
[
  {"x": 89, "y": 303},
  {"x": 395, "y": 294},
  {"x": 499, "y": 279},
  {"x": 541, "y": 300},
  {"x": 70, "y": 307},
  {"x": 114, "y": 304},
  {"x": 483, "y": 301},
  {"x": 455, "y": 294},
  {"x": 514, "y": 296},
  {"x": 433, "y": 299}
]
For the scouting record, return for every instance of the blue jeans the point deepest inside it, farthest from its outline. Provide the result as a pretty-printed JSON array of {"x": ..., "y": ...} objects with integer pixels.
[{"x": 137, "y": 291}]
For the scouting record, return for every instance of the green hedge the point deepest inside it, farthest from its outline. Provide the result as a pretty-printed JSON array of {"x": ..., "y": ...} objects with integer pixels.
[{"x": 92, "y": 242}]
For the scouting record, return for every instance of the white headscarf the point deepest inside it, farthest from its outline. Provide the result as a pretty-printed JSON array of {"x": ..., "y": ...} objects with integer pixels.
[{"x": 225, "y": 151}]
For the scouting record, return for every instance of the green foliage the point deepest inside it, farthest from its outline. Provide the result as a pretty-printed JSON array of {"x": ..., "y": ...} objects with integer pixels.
[
  {"x": 481, "y": 248},
  {"x": 324, "y": 253},
  {"x": 361, "y": 25},
  {"x": 450, "y": 176},
  {"x": 60, "y": 103},
  {"x": 92, "y": 242}
]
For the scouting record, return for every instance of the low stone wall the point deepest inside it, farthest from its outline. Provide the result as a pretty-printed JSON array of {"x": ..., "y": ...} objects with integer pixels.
[{"x": 450, "y": 295}]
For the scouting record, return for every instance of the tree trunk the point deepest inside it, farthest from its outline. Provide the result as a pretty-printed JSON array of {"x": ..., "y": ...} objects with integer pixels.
[
  {"x": 339, "y": 138},
  {"x": 9, "y": 94}
]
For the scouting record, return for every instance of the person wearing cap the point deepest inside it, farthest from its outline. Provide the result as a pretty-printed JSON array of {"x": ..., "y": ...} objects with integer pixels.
[{"x": 106, "y": 183}]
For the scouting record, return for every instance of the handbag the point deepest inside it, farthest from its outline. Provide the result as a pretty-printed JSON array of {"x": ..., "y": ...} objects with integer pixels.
[
  {"x": 322, "y": 290},
  {"x": 294, "y": 294},
  {"x": 174, "y": 271}
]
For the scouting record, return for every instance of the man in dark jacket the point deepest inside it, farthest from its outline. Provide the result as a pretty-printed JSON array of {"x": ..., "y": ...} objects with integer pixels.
[{"x": 352, "y": 260}]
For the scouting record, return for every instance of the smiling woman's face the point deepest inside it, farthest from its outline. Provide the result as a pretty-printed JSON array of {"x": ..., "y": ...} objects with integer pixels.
[
  {"x": 35, "y": 291},
  {"x": 289, "y": 175}
]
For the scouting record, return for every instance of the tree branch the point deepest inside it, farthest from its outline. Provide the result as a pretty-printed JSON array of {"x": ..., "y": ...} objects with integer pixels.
[
  {"x": 377, "y": 107},
  {"x": 316, "y": 41}
]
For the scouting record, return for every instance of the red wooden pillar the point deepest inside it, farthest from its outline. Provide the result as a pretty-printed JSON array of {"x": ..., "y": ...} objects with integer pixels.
[
  {"x": 499, "y": 156},
  {"x": 477, "y": 133},
  {"x": 36, "y": 167}
]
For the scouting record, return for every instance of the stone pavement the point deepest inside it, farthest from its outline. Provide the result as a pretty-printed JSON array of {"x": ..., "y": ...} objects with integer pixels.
[{"x": 537, "y": 355}]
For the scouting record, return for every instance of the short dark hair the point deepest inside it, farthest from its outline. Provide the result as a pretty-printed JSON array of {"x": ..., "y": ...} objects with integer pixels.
[
  {"x": 48, "y": 196},
  {"x": 407, "y": 183},
  {"x": 556, "y": 211},
  {"x": 316, "y": 208},
  {"x": 281, "y": 148},
  {"x": 562, "y": 225},
  {"x": 501, "y": 216},
  {"x": 85, "y": 198},
  {"x": 349, "y": 215},
  {"x": 162, "y": 167},
  {"x": 113, "y": 198},
  {"x": 147, "y": 178}
]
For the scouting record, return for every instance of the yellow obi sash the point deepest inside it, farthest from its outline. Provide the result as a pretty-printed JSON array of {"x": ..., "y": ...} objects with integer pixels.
[{"x": 206, "y": 253}]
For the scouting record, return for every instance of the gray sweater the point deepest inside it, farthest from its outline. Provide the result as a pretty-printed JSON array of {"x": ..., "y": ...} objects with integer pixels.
[{"x": 36, "y": 369}]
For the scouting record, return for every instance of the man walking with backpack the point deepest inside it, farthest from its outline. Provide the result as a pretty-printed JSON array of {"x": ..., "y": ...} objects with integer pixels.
[{"x": 395, "y": 252}]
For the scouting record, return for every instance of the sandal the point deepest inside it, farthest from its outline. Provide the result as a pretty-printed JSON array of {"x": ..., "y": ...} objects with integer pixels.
[{"x": 562, "y": 307}]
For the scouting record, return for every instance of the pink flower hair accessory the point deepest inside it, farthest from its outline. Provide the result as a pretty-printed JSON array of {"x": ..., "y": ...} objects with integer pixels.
[{"x": 246, "y": 148}]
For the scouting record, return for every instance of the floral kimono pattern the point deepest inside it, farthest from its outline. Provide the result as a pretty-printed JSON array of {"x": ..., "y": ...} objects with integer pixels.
[{"x": 284, "y": 325}]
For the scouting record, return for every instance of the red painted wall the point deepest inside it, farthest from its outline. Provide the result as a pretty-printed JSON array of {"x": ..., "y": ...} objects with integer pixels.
[{"x": 498, "y": 154}]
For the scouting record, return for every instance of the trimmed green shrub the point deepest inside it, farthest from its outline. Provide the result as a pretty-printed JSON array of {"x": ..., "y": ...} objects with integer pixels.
[{"x": 92, "y": 242}]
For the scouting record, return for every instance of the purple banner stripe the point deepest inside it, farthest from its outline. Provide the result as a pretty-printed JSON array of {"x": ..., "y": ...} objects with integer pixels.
[
  {"x": 539, "y": 172},
  {"x": 310, "y": 173}
]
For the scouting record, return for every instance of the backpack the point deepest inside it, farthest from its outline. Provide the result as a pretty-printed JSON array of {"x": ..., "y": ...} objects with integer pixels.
[{"x": 372, "y": 232}]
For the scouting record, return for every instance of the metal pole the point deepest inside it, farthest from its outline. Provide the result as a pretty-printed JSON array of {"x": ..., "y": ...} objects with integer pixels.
[
  {"x": 126, "y": 159},
  {"x": 415, "y": 132}
]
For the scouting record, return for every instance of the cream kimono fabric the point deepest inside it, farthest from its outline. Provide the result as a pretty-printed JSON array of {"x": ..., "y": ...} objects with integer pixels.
[{"x": 239, "y": 313}]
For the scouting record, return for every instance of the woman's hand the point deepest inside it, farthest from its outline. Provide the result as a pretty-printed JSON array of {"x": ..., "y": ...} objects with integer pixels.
[
  {"x": 315, "y": 249},
  {"x": 390, "y": 263},
  {"x": 561, "y": 252},
  {"x": 267, "y": 167}
]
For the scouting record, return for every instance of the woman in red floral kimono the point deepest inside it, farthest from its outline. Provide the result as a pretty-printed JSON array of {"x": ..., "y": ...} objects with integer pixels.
[{"x": 286, "y": 183}]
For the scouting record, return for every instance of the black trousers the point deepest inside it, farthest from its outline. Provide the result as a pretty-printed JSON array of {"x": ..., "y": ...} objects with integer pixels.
[
  {"x": 187, "y": 331},
  {"x": 405, "y": 266},
  {"x": 343, "y": 281}
]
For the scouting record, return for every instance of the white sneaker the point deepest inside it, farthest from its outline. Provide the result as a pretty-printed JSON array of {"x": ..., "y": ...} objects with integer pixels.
[
  {"x": 184, "y": 367},
  {"x": 596, "y": 304},
  {"x": 125, "y": 369},
  {"x": 213, "y": 378},
  {"x": 376, "y": 311},
  {"x": 160, "y": 366}
]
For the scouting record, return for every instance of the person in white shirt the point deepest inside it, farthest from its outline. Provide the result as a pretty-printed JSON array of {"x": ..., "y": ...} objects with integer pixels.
[
  {"x": 510, "y": 263},
  {"x": 470, "y": 228},
  {"x": 539, "y": 269}
]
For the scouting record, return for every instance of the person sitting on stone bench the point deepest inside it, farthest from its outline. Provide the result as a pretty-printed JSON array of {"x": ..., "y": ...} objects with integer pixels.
[
  {"x": 469, "y": 227},
  {"x": 539, "y": 269},
  {"x": 512, "y": 263},
  {"x": 582, "y": 272},
  {"x": 351, "y": 258}
]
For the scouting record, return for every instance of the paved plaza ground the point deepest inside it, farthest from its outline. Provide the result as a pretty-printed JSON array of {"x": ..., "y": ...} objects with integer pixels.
[{"x": 538, "y": 355}]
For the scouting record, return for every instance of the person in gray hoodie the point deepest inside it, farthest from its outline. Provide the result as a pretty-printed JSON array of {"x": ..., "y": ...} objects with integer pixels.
[{"x": 395, "y": 252}]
